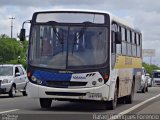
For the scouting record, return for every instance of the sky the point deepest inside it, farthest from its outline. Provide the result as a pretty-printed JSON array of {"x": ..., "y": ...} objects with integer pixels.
[{"x": 143, "y": 14}]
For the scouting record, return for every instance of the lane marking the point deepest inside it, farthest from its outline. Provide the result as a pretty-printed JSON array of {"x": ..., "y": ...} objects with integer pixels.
[
  {"x": 8, "y": 111},
  {"x": 133, "y": 108}
]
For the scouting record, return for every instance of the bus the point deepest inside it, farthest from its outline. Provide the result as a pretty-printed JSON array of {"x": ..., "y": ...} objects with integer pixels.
[
  {"x": 155, "y": 77},
  {"x": 82, "y": 55}
]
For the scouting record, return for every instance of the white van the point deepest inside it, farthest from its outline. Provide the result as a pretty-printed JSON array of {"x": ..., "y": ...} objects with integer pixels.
[
  {"x": 13, "y": 78},
  {"x": 156, "y": 77}
]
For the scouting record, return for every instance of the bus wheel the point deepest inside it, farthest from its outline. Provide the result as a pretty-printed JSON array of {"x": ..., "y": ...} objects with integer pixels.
[
  {"x": 111, "y": 105},
  {"x": 45, "y": 102},
  {"x": 24, "y": 93},
  {"x": 129, "y": 98}
]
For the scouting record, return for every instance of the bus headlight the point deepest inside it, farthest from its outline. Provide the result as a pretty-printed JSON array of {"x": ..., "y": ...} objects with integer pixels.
[
  {"x": 94, "y": 83},
  {"x": 39, "y": 81},
  {"x": 33, "y": 78},
  {"x": 100, "y": 80}
]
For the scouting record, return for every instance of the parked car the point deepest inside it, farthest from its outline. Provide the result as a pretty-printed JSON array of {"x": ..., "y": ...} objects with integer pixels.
[
  {"x": 144, "y": 81},
  {"x": 13, "y": 78},
  {"x": 150, "y": 81},
  {"x": 156, "y": 77}
]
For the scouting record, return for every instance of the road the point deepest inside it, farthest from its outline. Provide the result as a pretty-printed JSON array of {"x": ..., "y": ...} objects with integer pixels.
[{"x": 28, "y": 108}]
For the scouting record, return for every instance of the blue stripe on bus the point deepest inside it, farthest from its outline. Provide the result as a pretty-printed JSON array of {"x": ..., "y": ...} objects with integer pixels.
[{"x": 44, "y": 76}]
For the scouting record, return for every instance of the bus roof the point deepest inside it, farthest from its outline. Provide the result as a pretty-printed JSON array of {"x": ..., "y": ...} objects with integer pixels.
[
  {"x": 112, "y": 17},
  {"x": 156, "y": 70}
]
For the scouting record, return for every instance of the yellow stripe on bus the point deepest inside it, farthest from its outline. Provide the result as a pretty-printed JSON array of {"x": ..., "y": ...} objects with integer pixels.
[{"x": 128, "y": 62}]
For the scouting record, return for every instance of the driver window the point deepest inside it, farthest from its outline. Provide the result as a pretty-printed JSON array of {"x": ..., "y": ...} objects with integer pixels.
[
  {"x": 21, "y": 71},
  {"x": 47, "y": 45},
  {"x": 16, "y": 70}
]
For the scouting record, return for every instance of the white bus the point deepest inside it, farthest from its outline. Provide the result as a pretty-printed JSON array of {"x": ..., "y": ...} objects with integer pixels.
[{"x": 81, "y": 55}]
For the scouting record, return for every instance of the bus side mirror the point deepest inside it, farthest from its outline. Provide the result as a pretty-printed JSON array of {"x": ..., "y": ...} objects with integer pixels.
[
  {"x": 22, "y": 34},
  {"x": 118, "y": 37}
]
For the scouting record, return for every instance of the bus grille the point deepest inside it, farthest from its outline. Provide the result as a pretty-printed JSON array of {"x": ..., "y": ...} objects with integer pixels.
[
  {"x": 61, "y": 84},
  {"x": 65, "y": 94}
]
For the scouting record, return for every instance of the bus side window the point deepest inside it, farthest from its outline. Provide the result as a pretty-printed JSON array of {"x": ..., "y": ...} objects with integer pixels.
[
  {"x": 113, "y": 35},
  {"x": 138, "y": 45},
  {"x": 119, "y": 46},
  {"x": 134, "y": 49},
  {"x": 129, "y": 46},
  {"x": 124, "y": 46},
  {"x": 113, "y": 42}
]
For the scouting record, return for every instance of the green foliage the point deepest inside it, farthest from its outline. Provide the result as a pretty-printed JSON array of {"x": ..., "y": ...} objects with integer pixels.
[
  {"x": 3, "y": 36},
  {"x": 12, "y": 51},
  {"x": 150, "y": 68}
]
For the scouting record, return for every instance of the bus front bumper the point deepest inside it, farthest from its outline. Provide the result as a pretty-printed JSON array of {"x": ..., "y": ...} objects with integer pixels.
[{"x": 100, "y": 93}]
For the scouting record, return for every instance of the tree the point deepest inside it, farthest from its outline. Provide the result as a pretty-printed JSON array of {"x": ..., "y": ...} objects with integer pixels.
[
  {"x": 2, "y": 36},
  {"x": 12, "y": 51},
  {"x": 150, "y": 68}
]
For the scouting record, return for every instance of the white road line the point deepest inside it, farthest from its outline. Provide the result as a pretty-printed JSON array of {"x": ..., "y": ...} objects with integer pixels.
[
  {"x": 133, "y": 108},
  {"x": 8, "y": 111}
]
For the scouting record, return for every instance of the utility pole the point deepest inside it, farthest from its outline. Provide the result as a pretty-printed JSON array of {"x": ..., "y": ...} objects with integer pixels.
[{"x": 12, "y": 18}]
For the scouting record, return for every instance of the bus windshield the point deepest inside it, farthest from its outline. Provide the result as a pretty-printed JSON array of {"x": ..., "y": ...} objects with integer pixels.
[
  {"x": 64, "y": 47},
  {"x": 156, "y": 75}
]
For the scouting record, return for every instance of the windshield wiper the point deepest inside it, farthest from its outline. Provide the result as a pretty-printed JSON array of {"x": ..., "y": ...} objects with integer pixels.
[
  {"x": 60, "y": 39},
  {"x": 81, "y": 33}
]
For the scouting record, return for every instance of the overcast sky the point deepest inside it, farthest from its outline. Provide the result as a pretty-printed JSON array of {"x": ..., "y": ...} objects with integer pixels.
[{"x": 144, "y": 14}]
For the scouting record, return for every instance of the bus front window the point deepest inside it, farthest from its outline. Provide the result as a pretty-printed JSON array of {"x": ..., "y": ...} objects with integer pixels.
[
  {"x": 156, "y": 75},
  {"x": 62, "y": 47}
]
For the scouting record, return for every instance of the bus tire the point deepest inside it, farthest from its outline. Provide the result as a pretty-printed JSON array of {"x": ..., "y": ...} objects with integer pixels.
[
  {"x": 111, "y": 105},
  {"x": 45, "y": 102},
  {"x": 24, "y": 93},
  {"x": 129, "y": 98}
]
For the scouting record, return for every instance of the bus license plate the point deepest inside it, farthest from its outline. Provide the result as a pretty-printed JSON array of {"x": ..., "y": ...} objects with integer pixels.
[{"x": 94, "y": 95}]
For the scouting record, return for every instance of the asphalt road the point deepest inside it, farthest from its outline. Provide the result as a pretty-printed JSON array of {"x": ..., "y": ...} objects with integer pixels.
[{"x": 25, "y": 108}]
